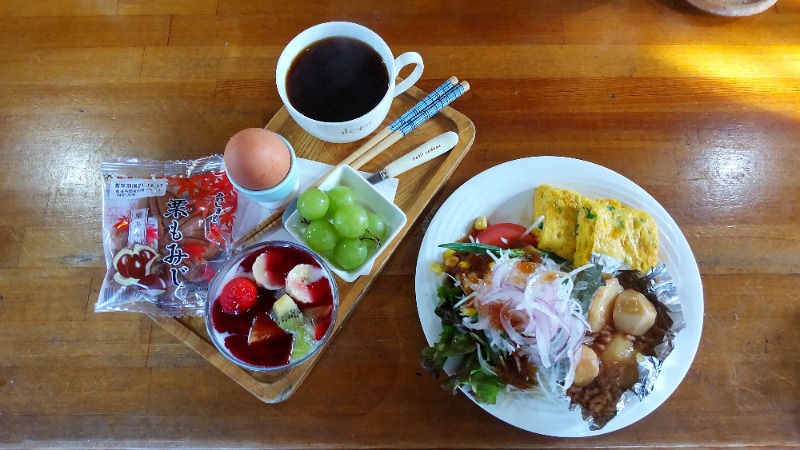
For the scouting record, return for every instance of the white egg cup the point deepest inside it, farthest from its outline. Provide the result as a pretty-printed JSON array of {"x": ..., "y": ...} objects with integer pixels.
[{"x": 275, "y": 196}]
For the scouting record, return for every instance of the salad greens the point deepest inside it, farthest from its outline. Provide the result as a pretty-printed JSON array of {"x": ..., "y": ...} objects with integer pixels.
[
  {"x": 480, "y": 369},
  {"x": 456, "y": 340},
  {"x": 587, "y": 283}
]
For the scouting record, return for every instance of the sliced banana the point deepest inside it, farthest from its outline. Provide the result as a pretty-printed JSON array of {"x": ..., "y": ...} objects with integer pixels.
[
  {"x": 299, "y": 282},
  {"x": 263, "y": 276}
]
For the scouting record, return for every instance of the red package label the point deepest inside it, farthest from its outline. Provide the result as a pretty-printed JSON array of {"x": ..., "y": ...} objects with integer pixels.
[{"x": 165, "y": 234}]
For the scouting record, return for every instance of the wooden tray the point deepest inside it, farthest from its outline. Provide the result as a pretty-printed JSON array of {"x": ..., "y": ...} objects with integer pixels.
[{"x": 416, "y": 188}]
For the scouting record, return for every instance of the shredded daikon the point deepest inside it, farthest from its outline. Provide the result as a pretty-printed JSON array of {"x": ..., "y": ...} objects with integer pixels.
[
  {"x": 533, "y": 226},
  {"x": 530, "y": 313},
  {"x": 482, "y": 361}
]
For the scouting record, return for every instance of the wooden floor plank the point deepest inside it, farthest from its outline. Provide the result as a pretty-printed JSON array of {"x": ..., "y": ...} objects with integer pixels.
[
  {"x": 143, "y": 96},
  {"x": 162, "y": 8},
  {"x": 272, "y": 29},
  {"x": 57, "y": 8},
  {"x": 69, "y": 65},
  {"x": 86, "y": 389},
  {"x": 90, "y": 31},
  {"x": 657, "y": 22},
  {"x": 61, "y": 247},
  {"x": 29, "y": 296}
]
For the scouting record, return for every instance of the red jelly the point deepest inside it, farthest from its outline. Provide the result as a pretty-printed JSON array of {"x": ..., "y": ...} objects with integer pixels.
[{"x": 272, "y": 349}]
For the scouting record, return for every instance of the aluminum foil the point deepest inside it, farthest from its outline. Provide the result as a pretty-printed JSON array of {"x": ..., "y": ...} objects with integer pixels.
[{"x": 658, "y": 287}]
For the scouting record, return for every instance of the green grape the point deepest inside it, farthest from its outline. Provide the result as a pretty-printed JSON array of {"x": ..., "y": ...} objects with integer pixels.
[
  {"x": 320, "y": 235},
  {"x": 376, "y": 229},
  {"x": 313, "y": 204},
  {"x": 350, "y": 253},
  {"x": 350, "y": 221},
  {"x": 340, "y": 196}
]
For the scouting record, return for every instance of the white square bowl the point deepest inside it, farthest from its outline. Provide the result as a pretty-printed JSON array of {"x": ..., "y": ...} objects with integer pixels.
[{"x": 372, "y": 200}]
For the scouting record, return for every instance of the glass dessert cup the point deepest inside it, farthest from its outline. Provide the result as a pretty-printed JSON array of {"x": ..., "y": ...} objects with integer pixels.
[{"x": 265, "y": 337}]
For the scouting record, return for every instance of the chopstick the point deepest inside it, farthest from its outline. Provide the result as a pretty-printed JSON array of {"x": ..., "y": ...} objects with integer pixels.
[
  {"x": 411, "y": 124},
  {"x": 426, "y": 108}
]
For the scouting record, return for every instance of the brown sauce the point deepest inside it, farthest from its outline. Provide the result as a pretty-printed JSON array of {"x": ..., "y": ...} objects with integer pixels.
[{"x": 600, "y": 397}]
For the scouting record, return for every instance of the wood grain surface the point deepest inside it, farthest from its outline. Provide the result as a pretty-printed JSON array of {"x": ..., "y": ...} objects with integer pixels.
[{"x": 701, "y": 111}]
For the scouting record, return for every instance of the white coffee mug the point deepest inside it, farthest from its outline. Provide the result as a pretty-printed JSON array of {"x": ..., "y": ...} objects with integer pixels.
[{"x": 351, "y": 130}]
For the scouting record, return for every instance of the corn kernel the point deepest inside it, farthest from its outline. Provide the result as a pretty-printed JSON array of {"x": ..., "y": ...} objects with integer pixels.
[
  {"x": 481, "y": 223},
  {"x": 436, "y": 268},
  {"x": 464, "y": 264},
  {"x": 491, "y": 265},
  {"x": 468, "y": 311},
  {"x": 451, "y": 261},
  {"x": 448, "y": 253}
]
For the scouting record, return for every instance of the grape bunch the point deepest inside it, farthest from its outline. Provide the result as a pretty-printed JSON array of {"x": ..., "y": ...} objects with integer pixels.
[{"x": 338, "y": 227}]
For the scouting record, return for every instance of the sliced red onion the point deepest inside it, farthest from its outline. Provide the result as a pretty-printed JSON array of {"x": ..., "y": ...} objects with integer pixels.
[{"x": 551, "y": 326}]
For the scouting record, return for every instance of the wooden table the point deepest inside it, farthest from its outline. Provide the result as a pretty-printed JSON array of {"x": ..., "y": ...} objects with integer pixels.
[{"x": 703, "y": 112}]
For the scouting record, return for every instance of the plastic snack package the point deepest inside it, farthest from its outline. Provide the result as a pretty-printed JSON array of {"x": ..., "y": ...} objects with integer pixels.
[{"x": 167, "y": 228}]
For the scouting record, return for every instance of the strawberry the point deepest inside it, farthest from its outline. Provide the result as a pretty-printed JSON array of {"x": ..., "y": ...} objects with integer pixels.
[
  {"x": 317, "y": 313},
  {"x": 238, "y": 295},
  {"x": 320, "y": 316},
  {"x": 322, "y": 327}
]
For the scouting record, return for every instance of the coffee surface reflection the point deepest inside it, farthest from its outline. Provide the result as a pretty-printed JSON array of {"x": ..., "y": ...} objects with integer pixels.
[{"x": 337, "y": 79}]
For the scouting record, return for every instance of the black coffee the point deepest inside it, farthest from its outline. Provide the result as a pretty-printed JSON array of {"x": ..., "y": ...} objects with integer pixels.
[{"x": 336, "y": 79}]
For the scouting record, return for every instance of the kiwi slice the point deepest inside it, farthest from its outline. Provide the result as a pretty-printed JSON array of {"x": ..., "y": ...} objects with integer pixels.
[
  {"x": 285, "y": 309},
  {"x": 289, "y": 318},
  {"x": 302, "y": 341}
]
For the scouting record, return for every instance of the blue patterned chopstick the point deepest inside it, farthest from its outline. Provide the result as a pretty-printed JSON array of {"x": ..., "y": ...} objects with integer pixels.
[
  {"x": 437, "y": 105},
  {"x": 422, "y": 104}
]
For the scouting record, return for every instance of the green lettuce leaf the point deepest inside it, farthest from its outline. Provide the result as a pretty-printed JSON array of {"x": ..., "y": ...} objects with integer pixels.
[{"x": 456, "y": 340}]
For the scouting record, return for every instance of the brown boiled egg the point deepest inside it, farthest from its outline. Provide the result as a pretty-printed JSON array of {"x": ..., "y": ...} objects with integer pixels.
[{"x": 257, "y": 159}]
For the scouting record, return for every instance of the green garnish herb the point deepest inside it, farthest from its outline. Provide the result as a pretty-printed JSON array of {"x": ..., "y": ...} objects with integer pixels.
[
  {"x": 593, "y": 277},
  {"x": 476, "y": 247}
]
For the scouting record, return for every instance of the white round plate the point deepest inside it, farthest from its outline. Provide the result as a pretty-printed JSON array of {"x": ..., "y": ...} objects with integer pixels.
[
  {"x": 733, "y": 8},
  {"x": 504, "y": 193}
]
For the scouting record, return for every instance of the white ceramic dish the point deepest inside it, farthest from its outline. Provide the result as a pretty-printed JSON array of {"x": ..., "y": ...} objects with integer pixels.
[
  {"x": 733, "y": 8},
  {"x": 505, "y": 193},
  {"x": 368, "y": 196}
]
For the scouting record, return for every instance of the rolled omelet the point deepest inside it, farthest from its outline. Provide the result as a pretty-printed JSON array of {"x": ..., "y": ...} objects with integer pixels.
[
  {"x": 607, "y": 227},
  {"x": 560, "y": 210}
]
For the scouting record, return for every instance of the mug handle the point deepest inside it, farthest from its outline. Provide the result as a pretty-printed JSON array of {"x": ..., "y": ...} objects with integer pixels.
[{"x": 402, "y": 61}]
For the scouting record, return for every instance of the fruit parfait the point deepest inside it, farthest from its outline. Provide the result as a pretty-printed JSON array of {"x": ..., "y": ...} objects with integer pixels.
[{"x": 271, "y": 306}]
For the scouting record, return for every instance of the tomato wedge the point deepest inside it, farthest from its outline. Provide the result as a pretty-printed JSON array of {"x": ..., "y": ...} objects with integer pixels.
[{"x": 505, "y": 235}]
